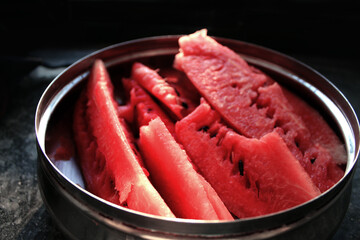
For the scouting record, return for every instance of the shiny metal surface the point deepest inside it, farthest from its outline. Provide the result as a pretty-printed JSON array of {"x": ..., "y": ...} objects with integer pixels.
[{"x": 81, "y": 215}]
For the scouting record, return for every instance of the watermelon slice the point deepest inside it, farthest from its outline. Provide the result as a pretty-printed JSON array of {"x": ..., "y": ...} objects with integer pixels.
[
  {"x": 92, "y": 162},
  {"x": 184, "y": 190},
  {"x": 305, "y": 145},
  {"x": 160, "y": 89},
  {"x": 145, "y": 107},
  {"x": 188, "y": 94},
  {"x": 134, "y": 188},
  {"x": 252, "y": 176},
  {"x": 252, "y": 103},
  {"x": 226, "y": 81},
  {"x": 320, "y": 131},
  {"x": 126, "y": 112}
]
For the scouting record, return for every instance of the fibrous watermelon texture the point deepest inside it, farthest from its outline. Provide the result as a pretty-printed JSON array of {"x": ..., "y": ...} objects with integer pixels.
[
  {"x": 253, "y": 104},
  {"x": 320, "y": 131},
  {"x": 249, "y": 146},
  {"x": 144, "y": 107},
  {"x": 157, "y": 86},
  {"x": 111, "y": 137},
  {"x": 92, "y": 162},
  {"x": 252, "y": 176},
  {"x": 184, "y": 190},
  {"x": 226, "y": 81}
]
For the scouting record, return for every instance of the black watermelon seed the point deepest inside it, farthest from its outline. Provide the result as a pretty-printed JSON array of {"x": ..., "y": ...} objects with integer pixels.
[
  {"x": 241, "y": 167},
  {"x": 185, "y": 105},
  {"x": 213, "y": 135},
  {"x": 177, "y": 92},
  {"x": 257, "y": 184},
  {"x": 204, "y": 129}
]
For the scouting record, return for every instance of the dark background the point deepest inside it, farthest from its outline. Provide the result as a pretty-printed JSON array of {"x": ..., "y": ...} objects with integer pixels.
[
  {"x": 39, "y": 38},
  {"x": 30, "y": 30},
  {"x": 318, "y": 26}
]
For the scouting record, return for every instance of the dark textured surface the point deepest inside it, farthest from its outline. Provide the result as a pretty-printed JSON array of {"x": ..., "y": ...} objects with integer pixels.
[{"x": 56, "y": 33}]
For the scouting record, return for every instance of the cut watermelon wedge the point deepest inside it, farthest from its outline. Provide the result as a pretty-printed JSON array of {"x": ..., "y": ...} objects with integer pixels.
[
  {"x": 126, "y": 112},
  {"x": 184, "y": 190},
  {"x": 160, "y": 89},
  {"x": 320, "y": 131},
  {"x": 97, "y": 178},
  {"x": 188, "y": 94},
  {"x": 305, "y": 144},
  {"x": 134, "y": 188},
  {"x": 252, "y": 176},
  {"x": 252, "y": 103},
  {"x": 145, "y": 107},
  {"x": 226, "y": 81}
]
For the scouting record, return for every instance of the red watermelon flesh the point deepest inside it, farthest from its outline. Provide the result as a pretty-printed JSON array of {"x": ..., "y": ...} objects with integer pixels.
[
  {"x": 320, "y": 131},
  {"x": 313, "y": 156},
  {"x": 252, "y": 103},
  {"x": 184, "y": 190},
  {"x": 97, "y": 178},
  {"x": 150, "y": 80},
  {"x": 134, "y": 188},
  {"x": 126, "y": 112},
  {"x": 202, "y": 148},
  {"x": 244, "y": 138},
  {"x": 221, "y": 211},
  {"x": 252, "y": 176},
  {"x": 188, "y": 94},
  {"x": 145, "y": 107},
  {"x": 226, "y": 81}
]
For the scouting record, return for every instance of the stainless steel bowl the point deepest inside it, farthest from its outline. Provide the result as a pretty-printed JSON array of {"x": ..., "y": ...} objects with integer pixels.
[{"x": 81, "y": 215}]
